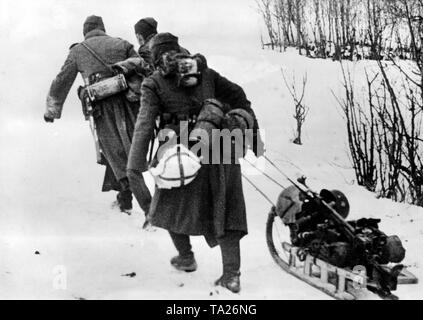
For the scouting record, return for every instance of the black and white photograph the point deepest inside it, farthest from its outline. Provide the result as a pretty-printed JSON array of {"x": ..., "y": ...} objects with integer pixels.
[{"x": 227, "y": 150}]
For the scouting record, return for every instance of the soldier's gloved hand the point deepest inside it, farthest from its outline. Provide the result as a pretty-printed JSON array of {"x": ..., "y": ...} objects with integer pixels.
[{"x": 48, "y": 119}]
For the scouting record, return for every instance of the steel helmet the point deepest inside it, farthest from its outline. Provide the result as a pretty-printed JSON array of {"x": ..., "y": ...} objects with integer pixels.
[
  {"x": 341, "y": 204},
  {"x": 177, "y": 167}
]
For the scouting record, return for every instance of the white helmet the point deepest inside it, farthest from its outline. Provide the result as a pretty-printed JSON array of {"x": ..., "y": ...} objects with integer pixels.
[{"x": 177, "y": 167}]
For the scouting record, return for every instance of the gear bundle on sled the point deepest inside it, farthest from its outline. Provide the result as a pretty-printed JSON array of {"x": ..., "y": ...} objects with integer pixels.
[
  {"x": 344, "y": 259},
  {"x": 309, "y": 237}
]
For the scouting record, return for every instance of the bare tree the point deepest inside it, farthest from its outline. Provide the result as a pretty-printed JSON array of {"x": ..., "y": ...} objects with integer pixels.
[
  {"x": 301, "y": 110},
  {"x": 265, "y": 8},
  {"x": 344, "y": 29}
]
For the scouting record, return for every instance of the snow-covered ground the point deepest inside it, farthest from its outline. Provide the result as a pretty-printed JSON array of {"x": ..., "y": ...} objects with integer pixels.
[{"x": 60, "y": 238}]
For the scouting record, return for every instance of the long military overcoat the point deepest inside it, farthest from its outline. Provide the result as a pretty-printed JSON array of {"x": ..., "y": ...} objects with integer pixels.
[
  {"x": 115, "y": 116},
  {"x": 214, "y": 202}
]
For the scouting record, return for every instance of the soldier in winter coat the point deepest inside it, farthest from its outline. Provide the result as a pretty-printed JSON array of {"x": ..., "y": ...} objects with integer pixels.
[
  {"x": 115, "y": 116},
  {"x": 145, "y": 30},
  {"x": 213, "y": 204}
]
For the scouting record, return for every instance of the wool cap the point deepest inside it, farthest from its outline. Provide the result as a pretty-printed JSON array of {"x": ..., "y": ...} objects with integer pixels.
[
  {"x": 92, "y": 23},
  {"x": 146, "y": 27},
  {"x": 162, "y": 43}
]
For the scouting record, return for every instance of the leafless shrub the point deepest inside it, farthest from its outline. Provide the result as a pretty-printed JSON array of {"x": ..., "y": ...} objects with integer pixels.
[
  {"x": 385, "y": 134},
  {"x": 301, "y": 110},
  {"x": 362, "y": 133},
  {"x": 344, "y": 29}
]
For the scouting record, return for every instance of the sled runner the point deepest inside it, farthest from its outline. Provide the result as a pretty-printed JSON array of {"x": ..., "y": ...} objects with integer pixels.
[{"x": 339, "y": 283}]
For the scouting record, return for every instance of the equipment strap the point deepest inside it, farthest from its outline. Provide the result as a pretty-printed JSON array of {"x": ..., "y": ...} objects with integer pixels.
[
  {"x": 276, "y": 167},
  {"x": 258, "y": 190},
  {"x": 152, "y": 144},
  {"x": 267, "y": 176},
  {"x": 95, "y": 55},
  {"x": 181, "y": 167},
  {"x": 264, "y": 173}
]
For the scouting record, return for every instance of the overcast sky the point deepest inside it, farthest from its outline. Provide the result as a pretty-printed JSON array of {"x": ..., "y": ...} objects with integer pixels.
[
  {"x": 36, "y": 35},
  {"x": 196, "y": 22}
]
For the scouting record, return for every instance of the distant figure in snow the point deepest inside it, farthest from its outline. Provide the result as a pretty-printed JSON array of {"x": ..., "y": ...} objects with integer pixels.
[{"x": 101, "y": 57}]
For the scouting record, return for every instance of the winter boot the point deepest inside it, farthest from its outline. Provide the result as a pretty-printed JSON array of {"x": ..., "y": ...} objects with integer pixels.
[
  {"x": 124, "y": 200},
  {"x": 231, "y": 260},
  {"x": 147, "y": 226},
  {"x": 124, "y": 197},
  {"x": 184, "y": 263},
  {"x": 230, "y": 282}
]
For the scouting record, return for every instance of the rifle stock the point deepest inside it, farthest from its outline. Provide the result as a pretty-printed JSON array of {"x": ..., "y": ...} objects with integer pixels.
[
  {"x": 93, "y": 130},
  {"x": 88, "y": 110},
  {"x": 96, "y": 141}
]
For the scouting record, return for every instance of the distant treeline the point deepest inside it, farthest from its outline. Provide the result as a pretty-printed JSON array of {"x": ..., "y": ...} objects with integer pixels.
[{"x": 344, "y": 29}]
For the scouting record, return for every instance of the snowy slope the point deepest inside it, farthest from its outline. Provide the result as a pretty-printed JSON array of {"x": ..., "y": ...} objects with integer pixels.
[
  {"x": 50, "y": 202},
  {"x": 49, "y": 182}
]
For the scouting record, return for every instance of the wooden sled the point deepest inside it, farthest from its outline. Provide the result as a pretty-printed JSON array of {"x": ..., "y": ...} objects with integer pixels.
[{"x": 339, "y": 283}]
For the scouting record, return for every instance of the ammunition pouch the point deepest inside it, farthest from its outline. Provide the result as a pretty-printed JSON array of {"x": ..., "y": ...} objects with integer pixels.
[
  {"x": 83, "y": 95},
  {"x": 88, "y": 108}
]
